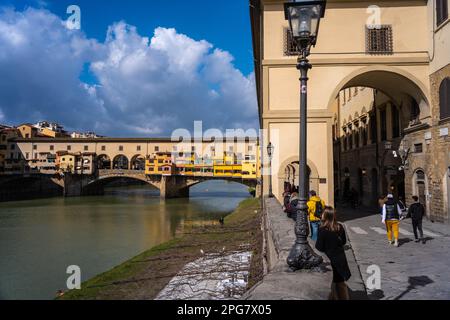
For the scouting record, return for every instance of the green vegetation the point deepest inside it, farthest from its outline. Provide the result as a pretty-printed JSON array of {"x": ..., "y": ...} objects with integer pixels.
[{"x": 144, "y": 276}]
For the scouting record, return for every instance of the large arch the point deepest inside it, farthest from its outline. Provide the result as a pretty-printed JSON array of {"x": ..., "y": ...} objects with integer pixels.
[
  {"x": 104, "y": 162},
  {"x": 137, "y": 162},
  {"x": 392, "y": 81},
  {"x": 292, "y": 164},
  {"x": 121, "y": 162},
  {"x": 97, "y": 186}
]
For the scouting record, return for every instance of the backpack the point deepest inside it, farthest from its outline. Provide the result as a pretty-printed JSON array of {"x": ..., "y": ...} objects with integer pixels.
[{"x": 319, "y": 210}]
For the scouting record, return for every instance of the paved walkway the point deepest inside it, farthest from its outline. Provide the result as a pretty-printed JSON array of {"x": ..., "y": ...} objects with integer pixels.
[
  {"x": 412, "y": 271},
  {"x": 280, "y": 283}
]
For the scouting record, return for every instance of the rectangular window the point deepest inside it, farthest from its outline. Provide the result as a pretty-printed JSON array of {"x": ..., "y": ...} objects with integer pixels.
[
  {"x": 418, "y": 148},
  {"x": 379, "y": 40},
  {"x": 34, "y": 147},
  {"x": 86, "y": 148},
  {"x": 103, "y": 148},
  {"x": 156, "y": 149},
  {"x": 290, "y": 47},
  {"x": 52, "y": 148},
  {"x": 138, "y": 148},
  {"x": 27, "y": 155},
  {"x": 441, "y": 11},
  {"x": 120, "y": 148},
  {"x": 69, "y": 148}
]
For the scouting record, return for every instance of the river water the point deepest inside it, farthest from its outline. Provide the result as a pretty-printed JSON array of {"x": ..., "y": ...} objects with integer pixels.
[{"x": 39, "y": 239}]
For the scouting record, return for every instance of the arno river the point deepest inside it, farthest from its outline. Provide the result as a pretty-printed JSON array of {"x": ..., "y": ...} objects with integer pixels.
[{"x": 39, "y": 239}]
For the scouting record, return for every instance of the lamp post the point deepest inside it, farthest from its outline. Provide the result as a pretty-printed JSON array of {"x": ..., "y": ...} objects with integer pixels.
[
  {"x": 304, "y": 18},
  {"x": 270, "y": 149}
]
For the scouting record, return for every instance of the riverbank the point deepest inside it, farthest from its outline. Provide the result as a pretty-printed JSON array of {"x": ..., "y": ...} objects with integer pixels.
[{"x": 145, "y": 275}]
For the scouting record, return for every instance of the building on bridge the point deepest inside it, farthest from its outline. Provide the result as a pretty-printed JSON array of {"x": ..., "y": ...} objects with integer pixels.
[{"x": 405, "y": 65}]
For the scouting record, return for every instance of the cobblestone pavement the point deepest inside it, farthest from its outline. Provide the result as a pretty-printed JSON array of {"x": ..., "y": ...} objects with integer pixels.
[{"x": 413, "y": 271}]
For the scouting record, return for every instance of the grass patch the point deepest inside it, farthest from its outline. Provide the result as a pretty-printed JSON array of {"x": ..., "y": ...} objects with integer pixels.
[{"x": 145, "y": 275}]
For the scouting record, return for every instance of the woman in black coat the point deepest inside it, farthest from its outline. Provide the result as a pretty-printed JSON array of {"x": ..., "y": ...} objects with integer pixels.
[{"x": 331, "y": 240}]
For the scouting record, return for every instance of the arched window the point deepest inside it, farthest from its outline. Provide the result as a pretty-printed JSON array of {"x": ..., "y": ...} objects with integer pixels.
[{"x": 444, "y": 98}]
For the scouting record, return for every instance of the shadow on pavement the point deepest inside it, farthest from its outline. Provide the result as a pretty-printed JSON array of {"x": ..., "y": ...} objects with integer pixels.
[
  {"x": 404, "y": 241},
  {"x": 414, "y": 283},
  {"x": 376, "y": 295},
  {"x": 345, "y": 214},
  {"x": 357, "y": 294}
]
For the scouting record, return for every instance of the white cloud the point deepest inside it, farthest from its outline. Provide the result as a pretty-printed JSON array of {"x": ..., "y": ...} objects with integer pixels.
[{"x": 146, "y": 86}]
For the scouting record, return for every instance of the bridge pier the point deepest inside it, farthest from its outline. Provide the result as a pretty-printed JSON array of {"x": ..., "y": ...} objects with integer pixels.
[
  {"x": 173, "y": 187},
  {"x": 77, "y": 185}
]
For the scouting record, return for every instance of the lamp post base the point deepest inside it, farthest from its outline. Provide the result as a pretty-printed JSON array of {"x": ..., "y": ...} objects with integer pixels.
[{"x": 302, "y": 256}]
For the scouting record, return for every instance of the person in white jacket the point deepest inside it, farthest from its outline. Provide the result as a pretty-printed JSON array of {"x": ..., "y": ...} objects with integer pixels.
[{"x": 391, "y": 218}]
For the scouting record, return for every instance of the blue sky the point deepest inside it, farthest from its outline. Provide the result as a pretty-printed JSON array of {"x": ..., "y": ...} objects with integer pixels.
[{"x": 224, "y": 25}]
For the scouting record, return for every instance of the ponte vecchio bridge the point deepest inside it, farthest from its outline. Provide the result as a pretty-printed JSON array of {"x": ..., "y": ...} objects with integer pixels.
[{"x": 178, "y": 165}]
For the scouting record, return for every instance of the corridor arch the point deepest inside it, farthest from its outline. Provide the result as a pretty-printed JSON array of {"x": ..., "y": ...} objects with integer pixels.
[
  {"x": 389, "y": 80},
  {"x": 292, "y": 165}
]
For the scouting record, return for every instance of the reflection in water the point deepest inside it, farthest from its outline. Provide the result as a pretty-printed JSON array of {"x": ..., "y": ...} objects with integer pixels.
[{"x": 39, "y": 239}]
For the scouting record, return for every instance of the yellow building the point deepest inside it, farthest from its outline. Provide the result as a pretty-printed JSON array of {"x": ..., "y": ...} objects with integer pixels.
[
  {"x": 27, "y": 131},
  {"x": 67, "y": 163},
  {"x": 160, "y": 164},
  {"x": 397, "y": 48}
]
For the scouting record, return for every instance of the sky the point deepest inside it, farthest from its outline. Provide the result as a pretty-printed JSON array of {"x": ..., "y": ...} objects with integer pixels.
[{"x": 134, "y": 68}]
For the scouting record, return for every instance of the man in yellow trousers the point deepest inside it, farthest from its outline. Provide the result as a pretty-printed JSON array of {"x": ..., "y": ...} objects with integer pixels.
[{"x": 391, "y": 218}]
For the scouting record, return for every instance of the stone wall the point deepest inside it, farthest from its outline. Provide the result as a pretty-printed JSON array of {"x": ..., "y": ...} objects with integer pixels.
[{"x": 435, "y": 158}]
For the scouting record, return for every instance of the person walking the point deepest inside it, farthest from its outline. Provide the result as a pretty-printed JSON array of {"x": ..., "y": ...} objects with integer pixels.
[
  {"x": 391, "y": 218},
  {"x": 331, "y": 240},
  {"x": 417, "y": 211},
  {"x": 316, "y": 207},
  {"x": 291, "y": 209},
  {"x": 381, "y": 202}
]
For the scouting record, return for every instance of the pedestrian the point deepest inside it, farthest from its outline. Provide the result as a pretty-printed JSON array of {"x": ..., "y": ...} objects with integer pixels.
[
  {"x": 402, "y": 205},
  {"x": 316, "y": 207},
  {"x": 391, "y": 218},
  {"x": 331, "y": 240},
  {"x": 292, "y": 208},
  {"x": 381, "y": 201},
  {"x": 417, "y": 211},
  {"x": 286, "y": 199}
]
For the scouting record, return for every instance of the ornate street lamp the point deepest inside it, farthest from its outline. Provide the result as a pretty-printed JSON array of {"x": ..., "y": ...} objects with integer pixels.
[
  {"x": 270, "y": 149},
  {"x": 304, "y": 18}
]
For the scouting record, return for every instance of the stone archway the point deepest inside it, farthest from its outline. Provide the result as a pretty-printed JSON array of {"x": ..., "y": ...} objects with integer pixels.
[
  {"x": 137, "y": 163},
  {"x": 389, "y": 80},
  {"x": 104, "y": 162},
  {"x": 292, "y": 165},
  {"x": 420, "y": 188},
  {"x": 121, "y": 162}
]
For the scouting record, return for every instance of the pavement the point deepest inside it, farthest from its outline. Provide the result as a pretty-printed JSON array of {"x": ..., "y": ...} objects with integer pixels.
[
  {"x": 412, "y": 271},
  {"x": 282, "y": 284}
]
